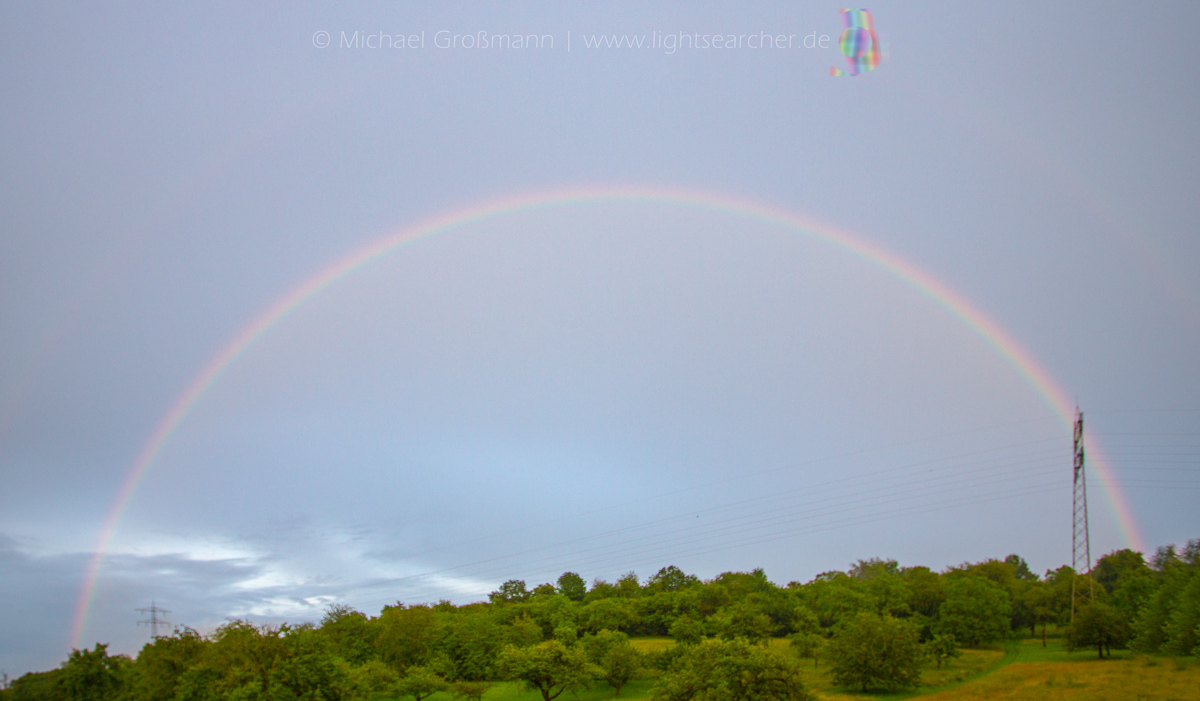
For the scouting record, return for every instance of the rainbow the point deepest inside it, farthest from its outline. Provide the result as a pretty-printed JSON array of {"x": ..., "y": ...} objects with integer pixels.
[{"x": 984, "y": 327}]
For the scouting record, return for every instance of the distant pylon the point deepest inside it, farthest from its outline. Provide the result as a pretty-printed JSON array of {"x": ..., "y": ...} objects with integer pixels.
[
  {"x": 1081, "y": 549},
  {"x": 154, "y": 621}
]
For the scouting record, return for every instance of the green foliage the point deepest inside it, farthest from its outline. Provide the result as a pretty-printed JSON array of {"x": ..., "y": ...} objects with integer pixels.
[
  {"x": 161, "y": 663},
  {"x": 407, "y": 635},
  {"x": 1127, "y": 580},
  {"x": 549, "y": 668},
  {"x": 1169, "y": 619},
  {"x": 371, "y": 679},
  {"x": 742, "y": 621},
  {"x": 545, "y": 589},
  {"x": 627, "y": 585},
  {"x": 572, "y": 586},
  {"x": 597, "y": 645},
  {"x": 419, "y": 683},
  {"x": 619, "y": 664},
  {"x": 567, "y": 634},
  {"x": 470, "y": 691},
  {"x": 671, "y": 578},
  {"x": 611, "y": 614},
  {"x": 91, "y": 675},
  {"x": 1039, "y": 599},
  {"x": 809, "y": 645},
  {"x": 1183, "y": 625},
  {"x": 1020, "y": 568},
  {"x": 525, "y": 631},
  {"x": 732, "y": 670},
  {"x": 512, "y": 591},
  {"x": 687, "y": 631},
  {"x": 242, "y": 661},
  {"x": 873, "y": 652},
  {"x": 975, "y": 611},
  {"x": 469, "y": 644},
  {"x": 926, "y": 591},
  {"x": 600, "y": 590},
  {"x": 348, "y": 633},
  {"x": 836, "y": 597},
  {"x": 872, "y": 568},
  {"x": 1098, "y": 624},
  {"x": 37, "y": 686},
  {"x": 561, "y": 637},
  {"x": 943, "y": 648}
]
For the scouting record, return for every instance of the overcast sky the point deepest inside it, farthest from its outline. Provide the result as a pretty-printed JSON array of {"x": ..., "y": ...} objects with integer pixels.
[{"x": 601, "y": 387}]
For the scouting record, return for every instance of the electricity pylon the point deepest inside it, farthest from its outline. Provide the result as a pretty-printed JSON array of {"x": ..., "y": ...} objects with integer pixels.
[
  {"x": 1081, "y": 549},
  {"x": 154, "y": 621}
]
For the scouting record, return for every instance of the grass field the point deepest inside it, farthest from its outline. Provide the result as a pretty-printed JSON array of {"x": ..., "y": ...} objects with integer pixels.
[
  {"x": 1091, "y": 679},
  {"x": 1022, "y": 671}
]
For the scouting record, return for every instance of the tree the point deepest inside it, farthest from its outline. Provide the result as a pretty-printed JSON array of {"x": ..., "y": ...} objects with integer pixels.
[
  {"x": 597, "y": 645},
  {"x": 566, "y": 633},
  {"x": 809, "y": 644},
  {"x": 926, "y": 591},
  {"x": 407, "y": 635},
  {"x": 731, "y": 670},
  {"x": 91, "y": 675},
  {"x": 975, "y": 611},
  {"x": 420, "y": 683},
  {"x": 372, "y": 679},
  {"x": 348, "y": 632},
  {"x": 1169, "y": 619},
  {"x": 671, "y": 578},
  {"x": 874, "y": 651},
  {"x": 241, "y": 660},
  {"x": 306, "y": 670},
  {"x": 612, "y": 613},
  {"x": 1183, "y": 627},
  {"x": 511, "y": 592},
  {"x": 572, "y": 586},
  {"x": 470, "y": 691},
  {"x": 1099, "y": 624},
  {"x": 836, "y": 597},
  {"x": 469, "y": 642},
  {"x": 37, "y": 686},
  {"x": 525, "y": 631},
  {"x": 627, "y": 585},
  {"x": 942, "y": 648},
  {"x": 872, "y": 568},
  {"x": 743, "y": 621},
  {"x": 687, "y": 630},
  {"x": 161, "y": 663},
  {"x": 1020, "y": 568},
  {"x": 544, "y": 589},
  {"x": 549, "y": 667},
  {"x": 600, "y": 590},
  {"x": 1040, "y": 600},
  {"x": 620, "y": 664}
]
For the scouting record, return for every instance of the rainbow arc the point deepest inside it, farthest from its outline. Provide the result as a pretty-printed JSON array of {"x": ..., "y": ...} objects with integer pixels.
[{"x": 936, "y": 291}]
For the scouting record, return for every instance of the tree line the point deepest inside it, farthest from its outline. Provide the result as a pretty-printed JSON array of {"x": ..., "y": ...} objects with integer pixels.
[{"x": 874, "y": 625}]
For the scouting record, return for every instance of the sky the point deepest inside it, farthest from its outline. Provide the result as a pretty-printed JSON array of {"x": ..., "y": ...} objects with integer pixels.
[{"x": 624, "y": 324}]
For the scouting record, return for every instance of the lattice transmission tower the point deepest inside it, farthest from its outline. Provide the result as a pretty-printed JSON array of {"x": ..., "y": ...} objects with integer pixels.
[
  {"x": 155, "y": 621},
  {"x": 1081, "y": 548}
]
